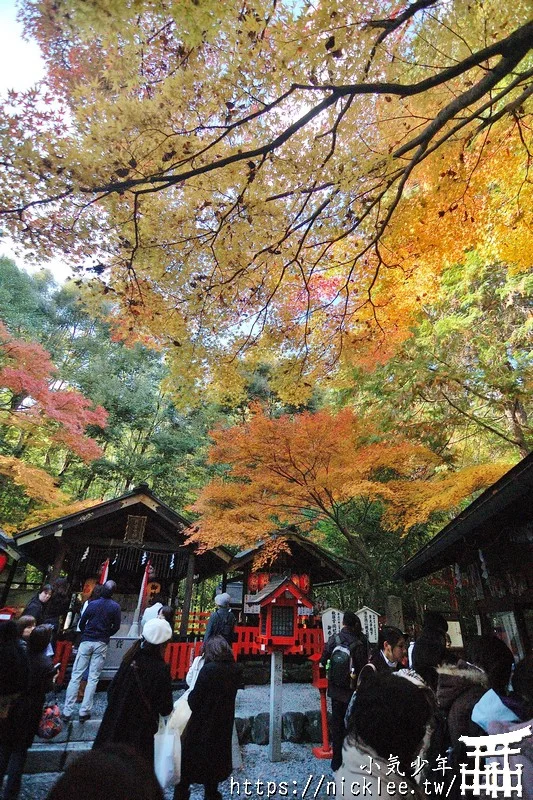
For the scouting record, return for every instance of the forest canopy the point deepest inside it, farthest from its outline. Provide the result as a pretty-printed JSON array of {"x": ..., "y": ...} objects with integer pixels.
[{"x": 272, "y": 181}]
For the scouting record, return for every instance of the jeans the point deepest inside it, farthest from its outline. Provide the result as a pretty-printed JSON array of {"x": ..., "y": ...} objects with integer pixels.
[
  {"x": 11, "y": 763},
  {"x": 91, "y": 655}
]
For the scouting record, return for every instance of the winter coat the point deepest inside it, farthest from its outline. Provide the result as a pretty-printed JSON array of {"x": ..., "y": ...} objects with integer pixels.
[
  {"x": 459, "y": 688},
  {"x": 138, "y": 694},
  {"x": 221, "y": 623},
  {"x": 206, "y": 741},
  {"x": 20, "y": 727},
  {"x": 56, "y": 609},
  {"x": 14, "y": 675},
  {"x": 100, "y": 620},
  {"x": 378, "y": 664},
  {"x": 490, "y": 708},
  {"x": 358, "y": 646},
  {"x": 353, "y": 778},
  {"x": 35, "y": 609}
]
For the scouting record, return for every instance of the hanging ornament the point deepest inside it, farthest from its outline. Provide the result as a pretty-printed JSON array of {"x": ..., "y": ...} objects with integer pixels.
[
  {"x": 484, "y": 568},
  {"x": 85, "y": 555},
  {"x": 172, "y": 559},
  {"x": 115, "y": 559},
  {"x": 144, "y": 558}
]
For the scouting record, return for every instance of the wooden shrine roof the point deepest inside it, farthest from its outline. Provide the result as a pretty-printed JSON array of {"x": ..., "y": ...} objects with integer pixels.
[
  {"x": 321, "y": 565},
  {"x": 103, "y": 527},
  {"x": 504, "y": 509}
]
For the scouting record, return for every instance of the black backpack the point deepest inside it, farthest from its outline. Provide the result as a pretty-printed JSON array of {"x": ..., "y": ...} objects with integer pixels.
[
  {"x": 340, "y": 664},
  {"x": 224, "y": 626}
]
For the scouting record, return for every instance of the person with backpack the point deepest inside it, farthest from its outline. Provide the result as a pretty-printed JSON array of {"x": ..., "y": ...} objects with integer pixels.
[
  {"x": 347, "y": 653},
  {"x": 222, "y": 620}
]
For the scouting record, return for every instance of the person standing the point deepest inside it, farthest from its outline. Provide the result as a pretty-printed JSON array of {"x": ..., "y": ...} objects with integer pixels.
[
  {"x": 222, "y": 620},
  {"x": 391, "y": 652},
  {"x": 36, "y": 608},
  {"x": 206, "y": 754},
  {"x": 151, "y": 612},
  {"x": 392, "y": 715},
  {"x": 99, "y": 622},
  {"x": 347, "y": 652},
  {"x": 17, "y": 731},
  {"x": 14, "y": 668},
  {"x": 140, "y": 692},
  {"x": 56, "y": 609}
]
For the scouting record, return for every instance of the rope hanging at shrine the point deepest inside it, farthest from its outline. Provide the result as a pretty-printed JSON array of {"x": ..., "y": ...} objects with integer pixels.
[{"x": 87, "y": 561}]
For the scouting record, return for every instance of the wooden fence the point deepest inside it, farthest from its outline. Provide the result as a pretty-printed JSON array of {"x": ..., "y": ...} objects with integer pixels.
[{"x": 179, "y": 655}]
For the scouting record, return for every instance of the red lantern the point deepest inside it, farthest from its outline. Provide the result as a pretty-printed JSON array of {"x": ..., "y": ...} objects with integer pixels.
[
  {"x": 3, "y": 561},
  {"x": 262, "y": 580},
  {"x": 253, "y": 583},
  {"x": 305, "y": 583}
]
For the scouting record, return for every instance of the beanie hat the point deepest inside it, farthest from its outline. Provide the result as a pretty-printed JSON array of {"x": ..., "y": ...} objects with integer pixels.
[
  {"x": 157, "y": 631},
  {"x": 223, "y": 599}
]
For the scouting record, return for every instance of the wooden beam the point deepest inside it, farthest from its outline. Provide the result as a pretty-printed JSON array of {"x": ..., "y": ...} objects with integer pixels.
[
  {"x": 9, "y": 581},
  {"x": 58, "y": 562}
]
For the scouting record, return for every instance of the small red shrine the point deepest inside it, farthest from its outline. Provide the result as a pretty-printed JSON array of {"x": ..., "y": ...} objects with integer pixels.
[{"x": 280, "y": 602}]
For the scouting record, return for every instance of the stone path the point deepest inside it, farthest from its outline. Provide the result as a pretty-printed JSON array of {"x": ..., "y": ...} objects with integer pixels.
[{"x": 290, "y": 776}]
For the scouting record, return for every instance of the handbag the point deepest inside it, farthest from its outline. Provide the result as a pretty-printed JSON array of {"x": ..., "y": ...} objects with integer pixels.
[
  {"x": 181, "y": 714},
  {"x": 167, "y": 755},
  {"x": 50, "y": 724}
]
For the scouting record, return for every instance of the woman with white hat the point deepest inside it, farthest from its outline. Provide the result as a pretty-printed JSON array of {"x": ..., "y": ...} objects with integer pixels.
[{"x": 140, "y": 692}]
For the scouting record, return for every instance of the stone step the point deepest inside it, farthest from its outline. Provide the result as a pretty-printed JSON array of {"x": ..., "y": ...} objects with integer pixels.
[{"x": 52, "y": 757}]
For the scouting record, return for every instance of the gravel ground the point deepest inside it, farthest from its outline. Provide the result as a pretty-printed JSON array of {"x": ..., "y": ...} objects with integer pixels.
[{"x": 299, "y": 774}]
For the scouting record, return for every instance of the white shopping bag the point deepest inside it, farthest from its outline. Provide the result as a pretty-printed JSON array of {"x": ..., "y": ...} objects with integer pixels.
[{"x": 167, "y": 755}]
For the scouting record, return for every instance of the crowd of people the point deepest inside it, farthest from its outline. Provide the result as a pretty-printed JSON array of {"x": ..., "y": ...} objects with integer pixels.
[{"x": 408, "y": 707}]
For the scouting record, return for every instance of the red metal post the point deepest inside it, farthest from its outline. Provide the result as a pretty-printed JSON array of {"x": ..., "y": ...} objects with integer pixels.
[{"x": 321, "y": 683}]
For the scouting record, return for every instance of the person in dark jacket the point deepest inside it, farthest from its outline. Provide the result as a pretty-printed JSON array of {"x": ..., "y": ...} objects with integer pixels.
[
  {"x": 206, "y": 740},
  {"x": 18, "y": 730},
  {"x": 37, "y": 606},
  {"x": 350, "y": 636},
  {"x": 57, "y": 607},
  {"x": 14, "y": 668},
  {"x": 140, "y": 692},
  {"x": 99, "y": 622},
  {"x": 222, "y": 620},
  {"x": 391, "y": 652},
  {"x": 25, "y": 624}
]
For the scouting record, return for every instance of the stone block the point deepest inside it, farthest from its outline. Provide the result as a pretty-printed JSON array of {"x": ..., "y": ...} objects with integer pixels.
[
  {"x": 51, "y": 757},
  {"x": 260, "y": 725},
  {"x": 292, "y": 726},
  {"x": 244, "y": 729},
  {"x": 313, "y": 726}
]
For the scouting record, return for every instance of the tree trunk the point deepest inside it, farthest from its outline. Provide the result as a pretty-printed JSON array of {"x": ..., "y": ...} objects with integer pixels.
[{"x": 516, "y": 416}]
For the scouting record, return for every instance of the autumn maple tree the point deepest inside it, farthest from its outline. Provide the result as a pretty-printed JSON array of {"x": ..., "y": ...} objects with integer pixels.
[
  {"x": 249, "y": 179},
  {"x": 40, "y": 420},
  {"x": 299, "y": 470},
  {"x": 462, "y": 382}
]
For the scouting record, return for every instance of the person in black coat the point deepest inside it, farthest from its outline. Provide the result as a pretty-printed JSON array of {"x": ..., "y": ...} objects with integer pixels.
[
  {"x": 390, "y": 654},
  {"x": 57, "y": 607},
  {"x": 14, "y": 668},
  {"x": 352, "y": 637},
  {"x": 206, "y": 740},
  {"x": 36, "y": 608},
  {"x": 140, "y": 692},
  {"x": 18, "y": 730}
]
